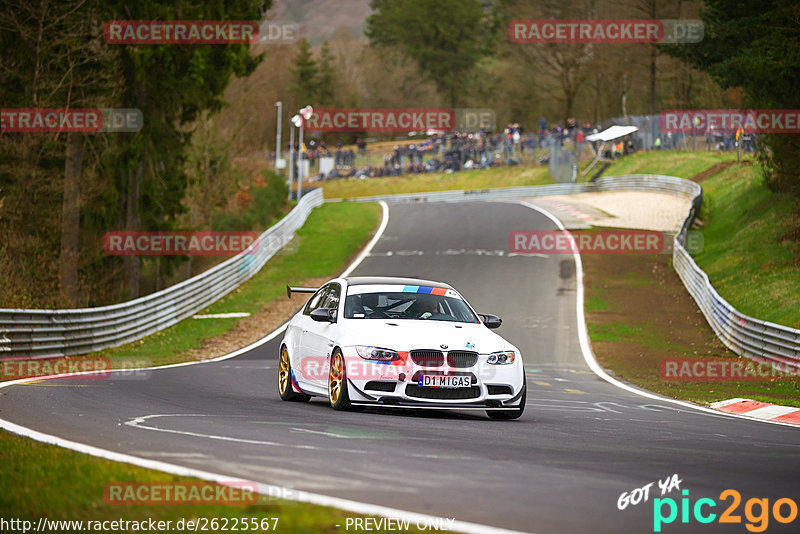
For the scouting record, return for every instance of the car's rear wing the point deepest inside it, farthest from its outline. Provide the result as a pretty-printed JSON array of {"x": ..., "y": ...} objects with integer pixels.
[{"x": 291, "y": 289}]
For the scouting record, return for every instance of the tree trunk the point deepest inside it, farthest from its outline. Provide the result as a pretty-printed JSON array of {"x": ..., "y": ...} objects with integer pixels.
[
  {"x": 133, "y": 222},
  {"x": 569, "y": 103},
  {"x": 70, "y": 221},
  {"x": 652, "y": 81},
  {"x": 653, "y": 57}
]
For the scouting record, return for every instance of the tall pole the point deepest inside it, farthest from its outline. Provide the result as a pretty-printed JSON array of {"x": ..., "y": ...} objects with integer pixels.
[
  {"x": 291, "y": 159},
  {"x": 300, "y": 167},
  {"x": 278, "y": 137},
  {"x": 302, "y": 115}
]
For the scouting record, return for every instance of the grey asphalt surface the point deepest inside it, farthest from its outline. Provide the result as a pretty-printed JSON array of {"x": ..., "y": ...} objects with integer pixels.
[{"x": 559, "y": 469}]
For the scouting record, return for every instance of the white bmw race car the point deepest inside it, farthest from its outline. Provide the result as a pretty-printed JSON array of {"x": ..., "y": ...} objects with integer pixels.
[{"x": 398, "y": 342}]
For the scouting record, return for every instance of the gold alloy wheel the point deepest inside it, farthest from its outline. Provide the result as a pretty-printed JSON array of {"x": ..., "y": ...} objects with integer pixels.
[
  {"x": 284, "y": 373},
  {"x": 335, "y": 378}
]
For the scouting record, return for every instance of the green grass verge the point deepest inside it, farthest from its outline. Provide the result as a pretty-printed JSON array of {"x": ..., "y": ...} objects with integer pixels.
[
  {"x": 420, "y": 183},
  {"x": 597, "y": 303},
  {"x": 40, "y": 480},
  {"x": 332, "y": 234},
  {"x": 749, "y": 252},
  {"x": 779, "y": 391},
  {"x": 680, "y": 164}
]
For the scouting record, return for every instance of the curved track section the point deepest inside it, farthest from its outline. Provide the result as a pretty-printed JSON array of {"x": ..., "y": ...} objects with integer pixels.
[{"x": 560, "y": 468}]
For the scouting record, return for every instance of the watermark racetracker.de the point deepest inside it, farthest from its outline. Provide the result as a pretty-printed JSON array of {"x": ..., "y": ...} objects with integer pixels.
[
  {"x": 402, "y": 369},
  {"x": 67, "y": 120},
  {"x": 606, "y": 31},
  {"x": 130, "y": 32},
  {"x": 730, "y": 121},
  {"x": 76, "y": 368},
  {"x": 205, "y": 243},
  {"x": 724, "y": 369},
  {"x": 400, "y": 120},
  {"x": 598, "y": 242},
  {"x": 184, "y": 524},
  {"x": 181, "y": 493}
]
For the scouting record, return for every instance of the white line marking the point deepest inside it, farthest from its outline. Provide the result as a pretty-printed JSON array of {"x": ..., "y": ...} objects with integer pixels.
[
  {"x": 175, "y": 454},
  {"x": 322, "y": 432},
  {"x": 728, "y": 402},
  {"x": 586, "y": 348},
  {"x": 772, "y": 411},
  {"x": 231, "y": 315},
  {"x": 371, "y": 244},
  {"x": 139, "y": 422}
]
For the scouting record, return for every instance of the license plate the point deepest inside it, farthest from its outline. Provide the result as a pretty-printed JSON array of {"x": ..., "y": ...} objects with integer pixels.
[{"x": 445, "y": 381}]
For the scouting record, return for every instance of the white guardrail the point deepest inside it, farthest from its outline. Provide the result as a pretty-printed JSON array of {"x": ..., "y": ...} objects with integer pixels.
[
  {"x": 48, "y": 333},
  {"x": 744, "y": 335}
]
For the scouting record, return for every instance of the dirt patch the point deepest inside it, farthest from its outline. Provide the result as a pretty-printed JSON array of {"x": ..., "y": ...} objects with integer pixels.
[
  {"x": 711, "y": 171},
  {"x": 643, "y": 290},
  {"x": 663, "y": 212}
]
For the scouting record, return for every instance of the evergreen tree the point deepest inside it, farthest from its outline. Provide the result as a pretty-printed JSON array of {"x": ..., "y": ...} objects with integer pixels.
[
  {"x": 756, "y": 46},
  {"x": 304, "y": 74},
  {"x": 445, "y": 37}
]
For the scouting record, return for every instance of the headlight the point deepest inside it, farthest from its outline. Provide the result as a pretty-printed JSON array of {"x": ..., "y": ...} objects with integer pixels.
[
  {"x": 376, "y": 353},
  {"x": 501, "y": 358}
]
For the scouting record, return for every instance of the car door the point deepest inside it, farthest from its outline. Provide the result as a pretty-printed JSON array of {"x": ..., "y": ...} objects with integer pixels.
[
  {"x": 319, "y": 338},
  {"x": 308, "y": 366}
]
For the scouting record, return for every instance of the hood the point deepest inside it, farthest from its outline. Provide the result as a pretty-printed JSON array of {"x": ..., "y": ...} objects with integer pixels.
[{"x": 410, "y": 334}]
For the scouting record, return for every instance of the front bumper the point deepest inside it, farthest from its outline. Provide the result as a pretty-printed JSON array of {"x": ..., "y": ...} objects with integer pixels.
[{"x": 493, "y": 386}]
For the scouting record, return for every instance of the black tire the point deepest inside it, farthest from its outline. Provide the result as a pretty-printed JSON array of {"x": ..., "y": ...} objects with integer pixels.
[
  {"x": 338, "y": 394},
  {"x": 506, "y": 415},
  {"x": 285, "y": 389}
]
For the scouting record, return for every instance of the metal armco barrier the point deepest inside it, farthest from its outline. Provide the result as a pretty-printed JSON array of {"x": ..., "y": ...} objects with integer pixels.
[
  {"x": 478, "y": 195},
  {"x": 48, "y": 333},
  {"x": 746, "y": 336},
  {"x": 633, "y": 182}
]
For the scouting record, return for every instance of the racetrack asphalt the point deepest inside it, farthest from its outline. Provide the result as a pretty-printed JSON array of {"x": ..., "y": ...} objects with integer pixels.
[{"x": 559, "y": 469}]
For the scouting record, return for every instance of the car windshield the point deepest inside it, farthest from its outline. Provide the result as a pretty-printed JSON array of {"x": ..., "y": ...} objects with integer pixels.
[{"x": 398, "y": 303}]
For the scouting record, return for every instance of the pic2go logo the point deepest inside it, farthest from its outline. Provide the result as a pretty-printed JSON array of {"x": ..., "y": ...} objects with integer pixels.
[{"x": 756, "y": 511}]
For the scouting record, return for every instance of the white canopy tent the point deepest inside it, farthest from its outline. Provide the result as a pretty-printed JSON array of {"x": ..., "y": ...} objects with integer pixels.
[
  {"x": 610, "y": 134},
  {"x": 614, "y": 132}
]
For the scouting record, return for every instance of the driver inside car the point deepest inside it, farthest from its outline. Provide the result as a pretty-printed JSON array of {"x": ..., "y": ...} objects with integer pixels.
[{"x": 426, "y": 306}]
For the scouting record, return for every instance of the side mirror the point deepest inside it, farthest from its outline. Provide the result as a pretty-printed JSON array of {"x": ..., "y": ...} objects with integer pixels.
[
  {"x": 491, "y": 321},
  {"x": 324, "y": 315}
]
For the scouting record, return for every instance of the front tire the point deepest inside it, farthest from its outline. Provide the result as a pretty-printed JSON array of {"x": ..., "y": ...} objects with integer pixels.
[
  {"x": 506, "y": 415},
  {"x": 337, "y": 383},
  {"x": 285, "y": 388}
]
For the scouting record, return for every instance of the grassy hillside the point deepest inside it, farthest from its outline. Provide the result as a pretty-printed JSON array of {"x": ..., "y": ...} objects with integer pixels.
[
  {"x": 751, "y": 251},
  {"x": 681, "y": 164},
  {"x": 417, "y": 183}
]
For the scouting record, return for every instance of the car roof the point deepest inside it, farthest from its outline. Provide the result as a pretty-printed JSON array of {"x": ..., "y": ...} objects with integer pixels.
[{"x": 393, "y": 280}]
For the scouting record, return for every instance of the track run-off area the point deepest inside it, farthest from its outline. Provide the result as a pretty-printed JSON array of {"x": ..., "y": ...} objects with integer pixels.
[{"x": 584, "y": 440}]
